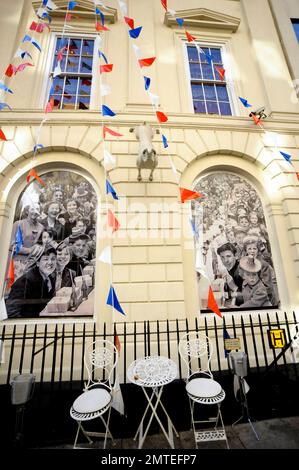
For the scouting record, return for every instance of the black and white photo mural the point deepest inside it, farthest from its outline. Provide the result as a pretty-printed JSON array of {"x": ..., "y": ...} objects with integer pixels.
[
  {"x": 51, "y": 262},
  {"x": 233, "y": 252}
]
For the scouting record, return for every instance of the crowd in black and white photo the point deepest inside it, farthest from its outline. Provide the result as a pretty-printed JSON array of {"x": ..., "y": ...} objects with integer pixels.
[
  {"x": 236, "y": 249},
  {"x": 54, "y": 266}
]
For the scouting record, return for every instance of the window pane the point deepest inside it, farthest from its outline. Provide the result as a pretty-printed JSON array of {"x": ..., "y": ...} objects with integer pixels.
[
  {"x": 216, "y": 54},
  {"x": 202, "y": 56},
  {"x": 197, "y": 92},
  {"x": 87, "y": 48},
  {"x": 83, "y": 102},
  {"x": 72, "y": 64},
  {"x": 210, "y": 93},
  {"x": 86, "y": 65},
  {"x": 192, "y": 54},
  {"x": 84, "y": 86},
  {"x": 212, "y": 107},
  {"x": 71, "y": 86},
  {"x": 195, "y": 71},
  {"x": 207, "y": 72},
  {"x": 74, "y": 47},
  {"x": 222, "y": 93},
  {"x": 225, "y": 109},
  {"x": 296, "y": 27},
  {"x": 57, "y": 100},
  {"x": 69, "y": 102},
  {"x": 57, "y": 86},
  {"x": 199, "y": 107}
]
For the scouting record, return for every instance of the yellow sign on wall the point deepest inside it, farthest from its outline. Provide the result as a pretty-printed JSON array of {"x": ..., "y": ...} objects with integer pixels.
[{"x": 277, "y": 338}]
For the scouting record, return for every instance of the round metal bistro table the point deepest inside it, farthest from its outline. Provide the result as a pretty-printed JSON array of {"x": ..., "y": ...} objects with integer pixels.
[{"x": 153, "y": 372}]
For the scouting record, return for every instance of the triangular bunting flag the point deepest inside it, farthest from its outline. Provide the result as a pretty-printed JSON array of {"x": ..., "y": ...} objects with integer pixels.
[
  {"x": 10, "y": 71},
  {"x": 5, "y": 88},
  {"x": 105, "y": 256},
  {"x": 221, "y": 72},
  {"x": 297, "y": 175},
  {"x": 161, "y": 116},
  {"x": 179, "y": 21},
  {"x": 107, "y": 130},
  {"x": 112, "y": 221},
  {"x": 129, "y": 21},
  {"x": 117, "y": 343},
  {"x": 107, "y": 111},
  {"x": 109, "y": 159},
  {"x": 245, "y": 102},
  {"x": 110, "y": 189},
  {"x": 147, "y": 82},
  {"x": 146, "y": 62},
  {"x": 286, "y": 156},
  {"x": 212, "y": 304},
  {"x": 50, "y": 106},
  {"x": 187, "y": 195},
  {"x": 164, "y": 4},
  {"x": 113, "y": 300},
  {"x": 105, "y": 89},
  {"x": 165, "y": 143},
  {"x": 117, "y": 400},
  {"x": 190, "y": 37},
  {"x": 32, "y": 174},
  {"x": 154, "y": 98},
  {"x": 106, "y": 68},
  {"x": 18, "y": 240},
  {"x": 2, "y": 135},
  {"x": 100, "y": 27},
  {"x": 256, "y": 120},
  {"x": 11, "y": 274},
  {"x": 123, "y": 7},
  {"x": 101, "y": 54},
  {"x": 5, "y": 105},
  {"x": 134, "y": 33}
]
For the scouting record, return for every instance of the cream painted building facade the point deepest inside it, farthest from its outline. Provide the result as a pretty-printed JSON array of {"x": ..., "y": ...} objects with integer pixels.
[{"x": 155, "y": 276}]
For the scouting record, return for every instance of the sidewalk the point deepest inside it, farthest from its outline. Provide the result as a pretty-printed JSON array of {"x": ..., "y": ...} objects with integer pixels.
[{"x": 274, "y": 434}]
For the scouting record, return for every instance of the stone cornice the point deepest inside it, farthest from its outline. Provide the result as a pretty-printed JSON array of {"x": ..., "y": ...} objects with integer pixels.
[
  {"x": 84, "y": 10},
  {"x": 204, "y": 18},
  {"x": 288, "y": 125}
]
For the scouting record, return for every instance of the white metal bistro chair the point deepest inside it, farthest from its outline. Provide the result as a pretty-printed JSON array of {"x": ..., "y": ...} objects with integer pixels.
[
  {"x": 100, "y": 360},
  {"x": 195, "y": 349}
]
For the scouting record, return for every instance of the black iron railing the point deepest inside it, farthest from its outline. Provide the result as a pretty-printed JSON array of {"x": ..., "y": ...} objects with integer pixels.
[{"x": 55, "y": 352}]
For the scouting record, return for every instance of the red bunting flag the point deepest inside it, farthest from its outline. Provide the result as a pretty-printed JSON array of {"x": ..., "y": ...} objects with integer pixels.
[
  {"x": 257, "y": 121},
  {"x": 60, "y": 54},
  {"x": 161, "y": 116},
  {"x": 187, "y": 195},
  {"x": 190, "y": 37},
  {"x": 11, "y": 69},
  {"x": 146, "y": 62},
  {"x": 38, "y": 27},
  {"x": 112, "y": 221},
  {"x": 164, "y": 4},
  {"x": 129, "y": 21},
  {"x": 100, "y": 27},
  {"x": 221, "y": 72},
  {"x": 212, "y": 304},
  {"x": 11, "y": 274},
  {"x": 22, "y": 67},
  {"x": 107, "y": 130},
  {"x": 50, "y": 106},
  {"x": 297, "y": 174},
  {"x": 106, "y": 68},
  {"x": 32, "y": 174},
  {"x": 117, "y": 343},
  {"x": 2, "y": 136}
]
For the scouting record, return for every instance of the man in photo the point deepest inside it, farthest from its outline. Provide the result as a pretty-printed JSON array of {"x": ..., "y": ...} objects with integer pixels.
[
  {"x": 254, "y": 292},
  {"x": 32, "y": 291}
]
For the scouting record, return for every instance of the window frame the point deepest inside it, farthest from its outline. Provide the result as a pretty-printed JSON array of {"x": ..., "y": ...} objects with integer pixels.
[
  {"x": 50, "y": 61},
  {"x": 225, "y": 55}
]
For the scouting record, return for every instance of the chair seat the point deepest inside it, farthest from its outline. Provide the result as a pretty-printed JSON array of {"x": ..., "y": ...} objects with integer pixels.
[
  {"x": 203, "y": 388},
  {"x": 91, "y": 404}
]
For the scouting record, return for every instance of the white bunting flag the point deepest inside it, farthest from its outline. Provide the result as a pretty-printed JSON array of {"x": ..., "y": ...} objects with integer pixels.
[
  {"x": 154, "y": 99},
  {"x": 105, "y": 89},
  {"x": 57, "y": 70},
  {"x": 172, "y": 166},
  {"x": 137, "y": 51},
  {"x": 123, "y": 7},
  {"x": 3, "y": 312},
  {"x": 109, "y": 159},
  {"x": 172, "y": 12},
  {"x": 97, "y": 42},
  {"x": 51, "y": 5},
  {"x": 105, "y": 256},
  {"x": 117, "y": 400}
]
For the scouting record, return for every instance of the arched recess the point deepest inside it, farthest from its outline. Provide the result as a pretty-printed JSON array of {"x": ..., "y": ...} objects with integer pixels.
[
  {"x": 273, "y": 210},
  {"x": 13, "y": 184}
]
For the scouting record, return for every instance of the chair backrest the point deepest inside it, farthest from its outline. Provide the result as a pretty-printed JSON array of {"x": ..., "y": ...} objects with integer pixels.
[
  {"x": 196, "y": 351},
  {"x": 100, "y": 360}
]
